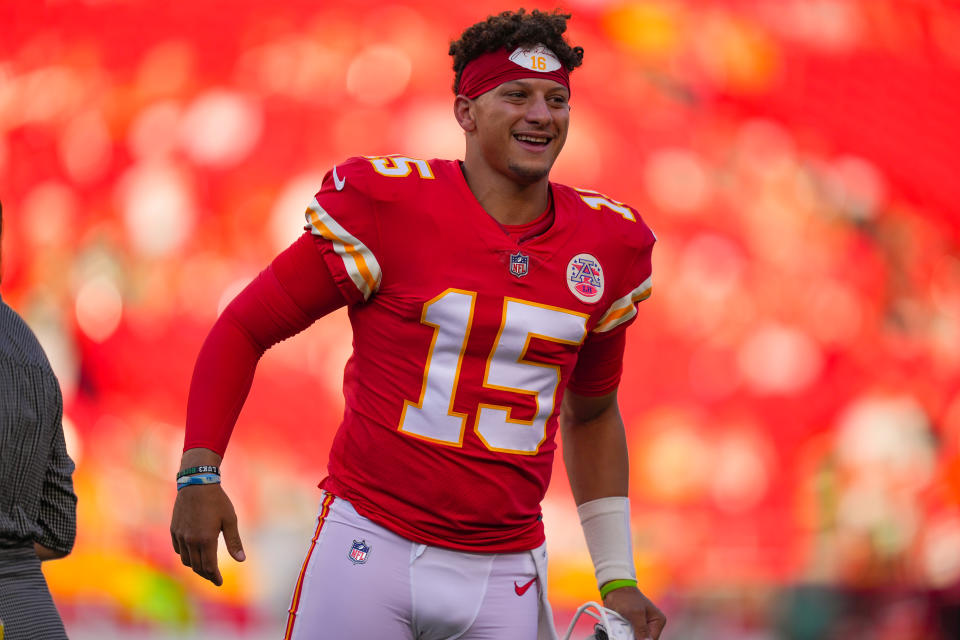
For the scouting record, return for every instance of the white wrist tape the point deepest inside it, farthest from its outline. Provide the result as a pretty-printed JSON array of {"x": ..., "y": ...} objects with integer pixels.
[{"x": 606, "y": 526}]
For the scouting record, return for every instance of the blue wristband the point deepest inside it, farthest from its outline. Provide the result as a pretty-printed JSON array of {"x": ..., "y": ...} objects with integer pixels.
[{"x": 198, "y": 478}]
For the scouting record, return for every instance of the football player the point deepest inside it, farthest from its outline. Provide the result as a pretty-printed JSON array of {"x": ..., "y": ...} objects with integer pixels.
[{"x": 488, "y": 308}]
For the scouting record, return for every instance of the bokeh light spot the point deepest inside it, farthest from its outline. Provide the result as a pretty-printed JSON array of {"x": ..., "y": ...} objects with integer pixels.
[
  {"x": 73, "y": 441},
  {"x": 674, "y": 463},
  {"x": 432, "y": 132},
  {"x": 779, "y": 359},
  {"x": 941, "y": 552},
  {"x": 153, "y": 134},
  {"x": 157, "y": 205},
  {"x": 287, "y": 215},
  {"x": 86, "y": 147},
  {"x": 740, "y": 476},
  {"x": 891, "y": 434},
  {"x": 99, "y": 307},
  {"x": 677, "y": 180},
  {"x": 220, "y": 128},
  {"x": 378, "y": 75},
  {"x": 47, "y": 210},
  {"x": 856, "y": 187}
]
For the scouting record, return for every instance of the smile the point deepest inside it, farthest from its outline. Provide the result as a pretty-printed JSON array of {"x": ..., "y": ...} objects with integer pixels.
[{"x": 541, "y": 140}]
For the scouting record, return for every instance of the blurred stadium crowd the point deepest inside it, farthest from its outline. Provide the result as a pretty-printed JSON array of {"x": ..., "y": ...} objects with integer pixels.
[{"x": 791, "y": 392}]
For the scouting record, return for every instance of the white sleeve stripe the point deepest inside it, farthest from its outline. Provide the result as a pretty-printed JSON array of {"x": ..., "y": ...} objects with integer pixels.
[
  {"x": 358, "y": 260},
  {"x": 623, "y": 309}
]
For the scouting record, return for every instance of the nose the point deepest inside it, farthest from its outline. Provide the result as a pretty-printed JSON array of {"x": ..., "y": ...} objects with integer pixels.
[{"x": 538, "y": 111}]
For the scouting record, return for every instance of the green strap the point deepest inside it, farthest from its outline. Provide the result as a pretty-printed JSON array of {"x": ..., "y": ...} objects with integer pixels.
[
  {"x": 204, "y": 468},
  {"x": 613, "y": 585}
]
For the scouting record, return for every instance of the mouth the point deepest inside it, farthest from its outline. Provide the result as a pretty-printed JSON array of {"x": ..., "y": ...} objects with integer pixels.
[{"x": 533, "y": 141}]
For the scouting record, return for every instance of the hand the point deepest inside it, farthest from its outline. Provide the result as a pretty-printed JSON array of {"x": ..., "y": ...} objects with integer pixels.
[
  {"x": 200, "y": 513},
  {"x": 647, "y": 620},
  {"x": 46, "y": 553}
]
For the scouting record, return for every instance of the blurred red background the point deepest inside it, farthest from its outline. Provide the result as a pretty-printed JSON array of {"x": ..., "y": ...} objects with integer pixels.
[{"x": 791, "y": 387}]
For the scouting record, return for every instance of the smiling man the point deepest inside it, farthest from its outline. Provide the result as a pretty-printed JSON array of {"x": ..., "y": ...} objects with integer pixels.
[{"x": 489, "y": 308}]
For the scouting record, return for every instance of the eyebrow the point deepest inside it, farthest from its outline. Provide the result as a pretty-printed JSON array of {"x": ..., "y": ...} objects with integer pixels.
[{"x": 526, "y": 85}]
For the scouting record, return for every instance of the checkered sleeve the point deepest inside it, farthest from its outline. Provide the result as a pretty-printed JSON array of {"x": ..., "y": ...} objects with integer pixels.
[{"x": 57, "y": 516}]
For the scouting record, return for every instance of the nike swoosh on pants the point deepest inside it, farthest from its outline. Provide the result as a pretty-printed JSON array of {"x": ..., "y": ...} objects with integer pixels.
[{"x": 523, "y": 589}]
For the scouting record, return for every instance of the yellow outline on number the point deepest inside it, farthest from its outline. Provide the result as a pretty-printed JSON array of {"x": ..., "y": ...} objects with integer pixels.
[
  {"x": 426, "y": 370},
  {"x": 399, "y": 164},
  {"x": 596, "y": 200},
  {"x": 523, "y": 361}
]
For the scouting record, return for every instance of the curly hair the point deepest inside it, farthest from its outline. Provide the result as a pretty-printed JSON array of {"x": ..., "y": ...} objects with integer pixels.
[{"x": 512, "y": 29}]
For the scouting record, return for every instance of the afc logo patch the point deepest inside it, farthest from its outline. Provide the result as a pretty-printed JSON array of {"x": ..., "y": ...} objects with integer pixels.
[
  {"x": 519, "y": 264},
  {"x": 585, "y": 277},
  {"x": 359, "y": 552}
]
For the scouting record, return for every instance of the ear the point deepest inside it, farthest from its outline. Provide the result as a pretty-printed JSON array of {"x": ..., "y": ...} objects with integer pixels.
[{"x": 463, "y": 112}]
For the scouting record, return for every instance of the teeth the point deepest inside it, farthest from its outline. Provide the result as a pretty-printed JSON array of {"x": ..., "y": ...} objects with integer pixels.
[{"x": 532, "y": 139}]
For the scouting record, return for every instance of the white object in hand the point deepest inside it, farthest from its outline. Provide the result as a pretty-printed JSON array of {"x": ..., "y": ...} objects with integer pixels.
[{"x": 610, "y": 625}]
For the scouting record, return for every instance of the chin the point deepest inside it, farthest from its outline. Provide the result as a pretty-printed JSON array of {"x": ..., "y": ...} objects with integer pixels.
[{"x": 529, "y": 173}]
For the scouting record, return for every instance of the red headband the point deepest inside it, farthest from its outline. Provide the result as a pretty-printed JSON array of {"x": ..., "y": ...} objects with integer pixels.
[{"x": 496, "y": 67}]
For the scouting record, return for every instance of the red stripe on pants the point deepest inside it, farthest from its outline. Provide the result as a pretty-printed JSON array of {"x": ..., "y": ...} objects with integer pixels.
[{"x": 295, "y": 603}]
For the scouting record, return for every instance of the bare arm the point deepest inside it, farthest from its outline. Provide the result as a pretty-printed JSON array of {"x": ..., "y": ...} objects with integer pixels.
[
  {"x": 596, "y": 458},
  {"x": 594, "y": 446},
  {"x": 46, "y": 553}
]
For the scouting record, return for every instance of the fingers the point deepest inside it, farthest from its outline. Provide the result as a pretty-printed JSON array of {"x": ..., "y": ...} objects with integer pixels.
[
  {"x": 231, "y": 538},
  {"x": 201, "y": 556},
  {"x": 656, "y": 623},
  {"x": 199, "y": 515},
  {"x": 208, "y": 564},
  {"x": 640, "y": 631}
]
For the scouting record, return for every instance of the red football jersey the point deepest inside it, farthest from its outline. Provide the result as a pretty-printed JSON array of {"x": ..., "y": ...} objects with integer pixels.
[{"x": 464, "y": 342}]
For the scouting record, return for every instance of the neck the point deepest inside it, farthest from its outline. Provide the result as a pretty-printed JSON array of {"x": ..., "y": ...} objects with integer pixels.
[{"x": 507, "y": 201}]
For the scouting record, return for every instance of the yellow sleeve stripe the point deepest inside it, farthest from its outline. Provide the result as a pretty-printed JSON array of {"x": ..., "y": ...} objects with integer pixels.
[
  {"x": 358, "y": 260},
  {"x": 624, "y": 308}
]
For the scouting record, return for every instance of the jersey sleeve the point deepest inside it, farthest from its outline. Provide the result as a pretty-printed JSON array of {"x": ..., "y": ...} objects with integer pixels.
[
  {"x": 599, "y": 364},
  {"x": 279, "y": 303},
  {"x": 600, "y": 359},
  {"x": 343, "y": 217},
  {"x": 635, "y": 286}
]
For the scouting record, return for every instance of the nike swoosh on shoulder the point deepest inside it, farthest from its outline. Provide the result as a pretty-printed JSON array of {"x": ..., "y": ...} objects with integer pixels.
[
  {"x": 338, "y": 182},
  {"x": 520, "y": 590}
]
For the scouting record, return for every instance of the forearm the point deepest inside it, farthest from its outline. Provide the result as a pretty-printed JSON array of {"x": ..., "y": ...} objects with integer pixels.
[
  {"x": 595, "y": 453},
  {"x": 57, "y": 516},
  {"x": 199, "y": 456},
  {"x": 221, "y": 380},
  {"x": 594, "y": 448}
]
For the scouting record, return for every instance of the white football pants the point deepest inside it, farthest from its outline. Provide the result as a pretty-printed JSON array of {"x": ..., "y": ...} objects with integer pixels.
[{"x": 362, "y": 582}]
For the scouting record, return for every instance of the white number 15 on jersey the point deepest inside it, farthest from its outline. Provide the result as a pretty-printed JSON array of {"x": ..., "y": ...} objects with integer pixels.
[{"x": 451, "y": 316}]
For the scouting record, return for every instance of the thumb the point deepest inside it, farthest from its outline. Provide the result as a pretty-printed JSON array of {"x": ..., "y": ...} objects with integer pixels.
[{"x": 231, "y": 537}]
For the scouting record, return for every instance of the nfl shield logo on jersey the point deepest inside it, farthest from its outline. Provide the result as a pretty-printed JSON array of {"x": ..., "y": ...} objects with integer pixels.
[
  {"x": 359, "y": 552},
  {"x": 519, "y": 264},
  {"x": 585, "y": 277}
]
